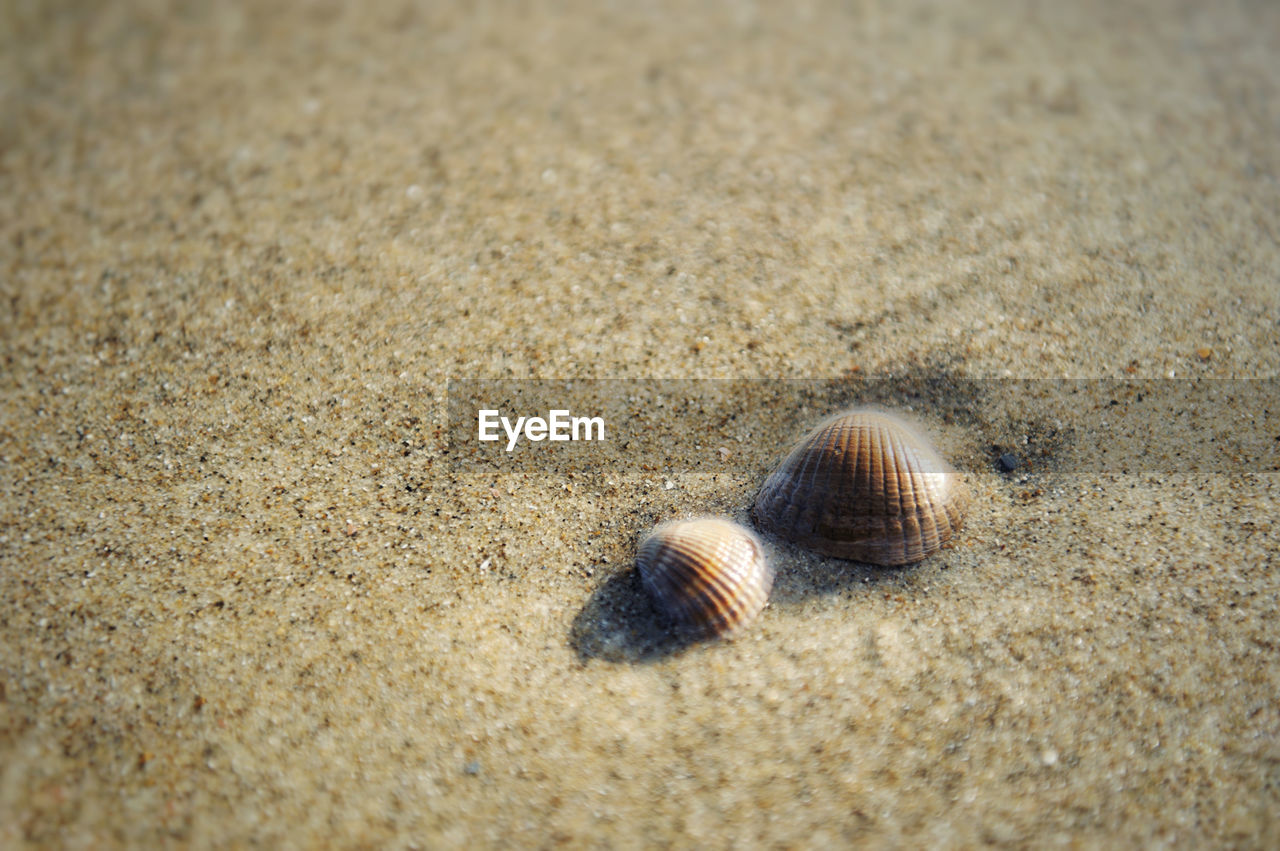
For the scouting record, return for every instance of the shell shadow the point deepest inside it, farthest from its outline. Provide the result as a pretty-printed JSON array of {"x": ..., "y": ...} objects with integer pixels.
[{"x": 620, "y": 624}]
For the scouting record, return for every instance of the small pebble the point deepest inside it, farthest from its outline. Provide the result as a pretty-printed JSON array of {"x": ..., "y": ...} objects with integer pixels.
[
  {"x": 1204, "y": 353},
  {"x": 1008, "y": 462},
  {"x": 472, "y": 768}
]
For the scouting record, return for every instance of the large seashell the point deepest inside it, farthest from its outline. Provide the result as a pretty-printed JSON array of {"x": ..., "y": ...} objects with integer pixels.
[
  {"x": 709, "y": 576},
  {"x": 863, "y": 485}
]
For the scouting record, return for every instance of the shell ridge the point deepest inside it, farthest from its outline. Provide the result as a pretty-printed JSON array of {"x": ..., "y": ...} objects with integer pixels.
[
  {"x": 833, "y": 441},
  {"x": 813, "y": 465},
  {"x": 708, "y": 576},
  {"x": 708, "y": 587},
  {"x": 892, "y": 540},
  {"x": 718, "y": 591},
  {"x": 685, "y": 586},
  {"x": 863, "y": 485},
  {"x": 731, "y": 578},
  {"x": 913, "y": 539}
]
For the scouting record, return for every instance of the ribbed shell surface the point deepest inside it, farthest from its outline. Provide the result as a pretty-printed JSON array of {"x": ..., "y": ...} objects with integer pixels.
[
  {"x": 863, "y": 486},
  {"x": 709, "y": 576}
]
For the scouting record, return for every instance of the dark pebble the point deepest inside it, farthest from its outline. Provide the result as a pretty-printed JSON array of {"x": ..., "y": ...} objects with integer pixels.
[{"x": 1008, "y": 462}]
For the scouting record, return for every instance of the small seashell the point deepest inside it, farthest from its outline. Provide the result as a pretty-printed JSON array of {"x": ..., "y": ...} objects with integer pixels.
[
  {"x": 865, "y": 486},
  {"x": 709, "y": 576}
]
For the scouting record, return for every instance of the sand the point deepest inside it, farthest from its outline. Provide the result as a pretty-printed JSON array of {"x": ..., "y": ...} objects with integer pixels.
[{"x": 248, "y": 595}]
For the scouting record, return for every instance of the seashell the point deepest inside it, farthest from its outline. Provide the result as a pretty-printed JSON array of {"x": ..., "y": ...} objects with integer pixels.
[
  {"x": 865, "y": 486},
  {"x": 709, "y": 576}
]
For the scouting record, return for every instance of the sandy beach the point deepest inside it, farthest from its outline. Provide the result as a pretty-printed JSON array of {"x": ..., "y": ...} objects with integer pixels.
[{"x": 257, "y": 588}]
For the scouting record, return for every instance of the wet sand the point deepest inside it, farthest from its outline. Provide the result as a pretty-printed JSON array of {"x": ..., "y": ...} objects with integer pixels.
[{"x": 247, "y": 596}]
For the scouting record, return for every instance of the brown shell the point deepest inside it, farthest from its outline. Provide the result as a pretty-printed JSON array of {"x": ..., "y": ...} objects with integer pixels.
[
  {"x": 709, "y": 576},
  {"x": 864, "y": 486}
]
